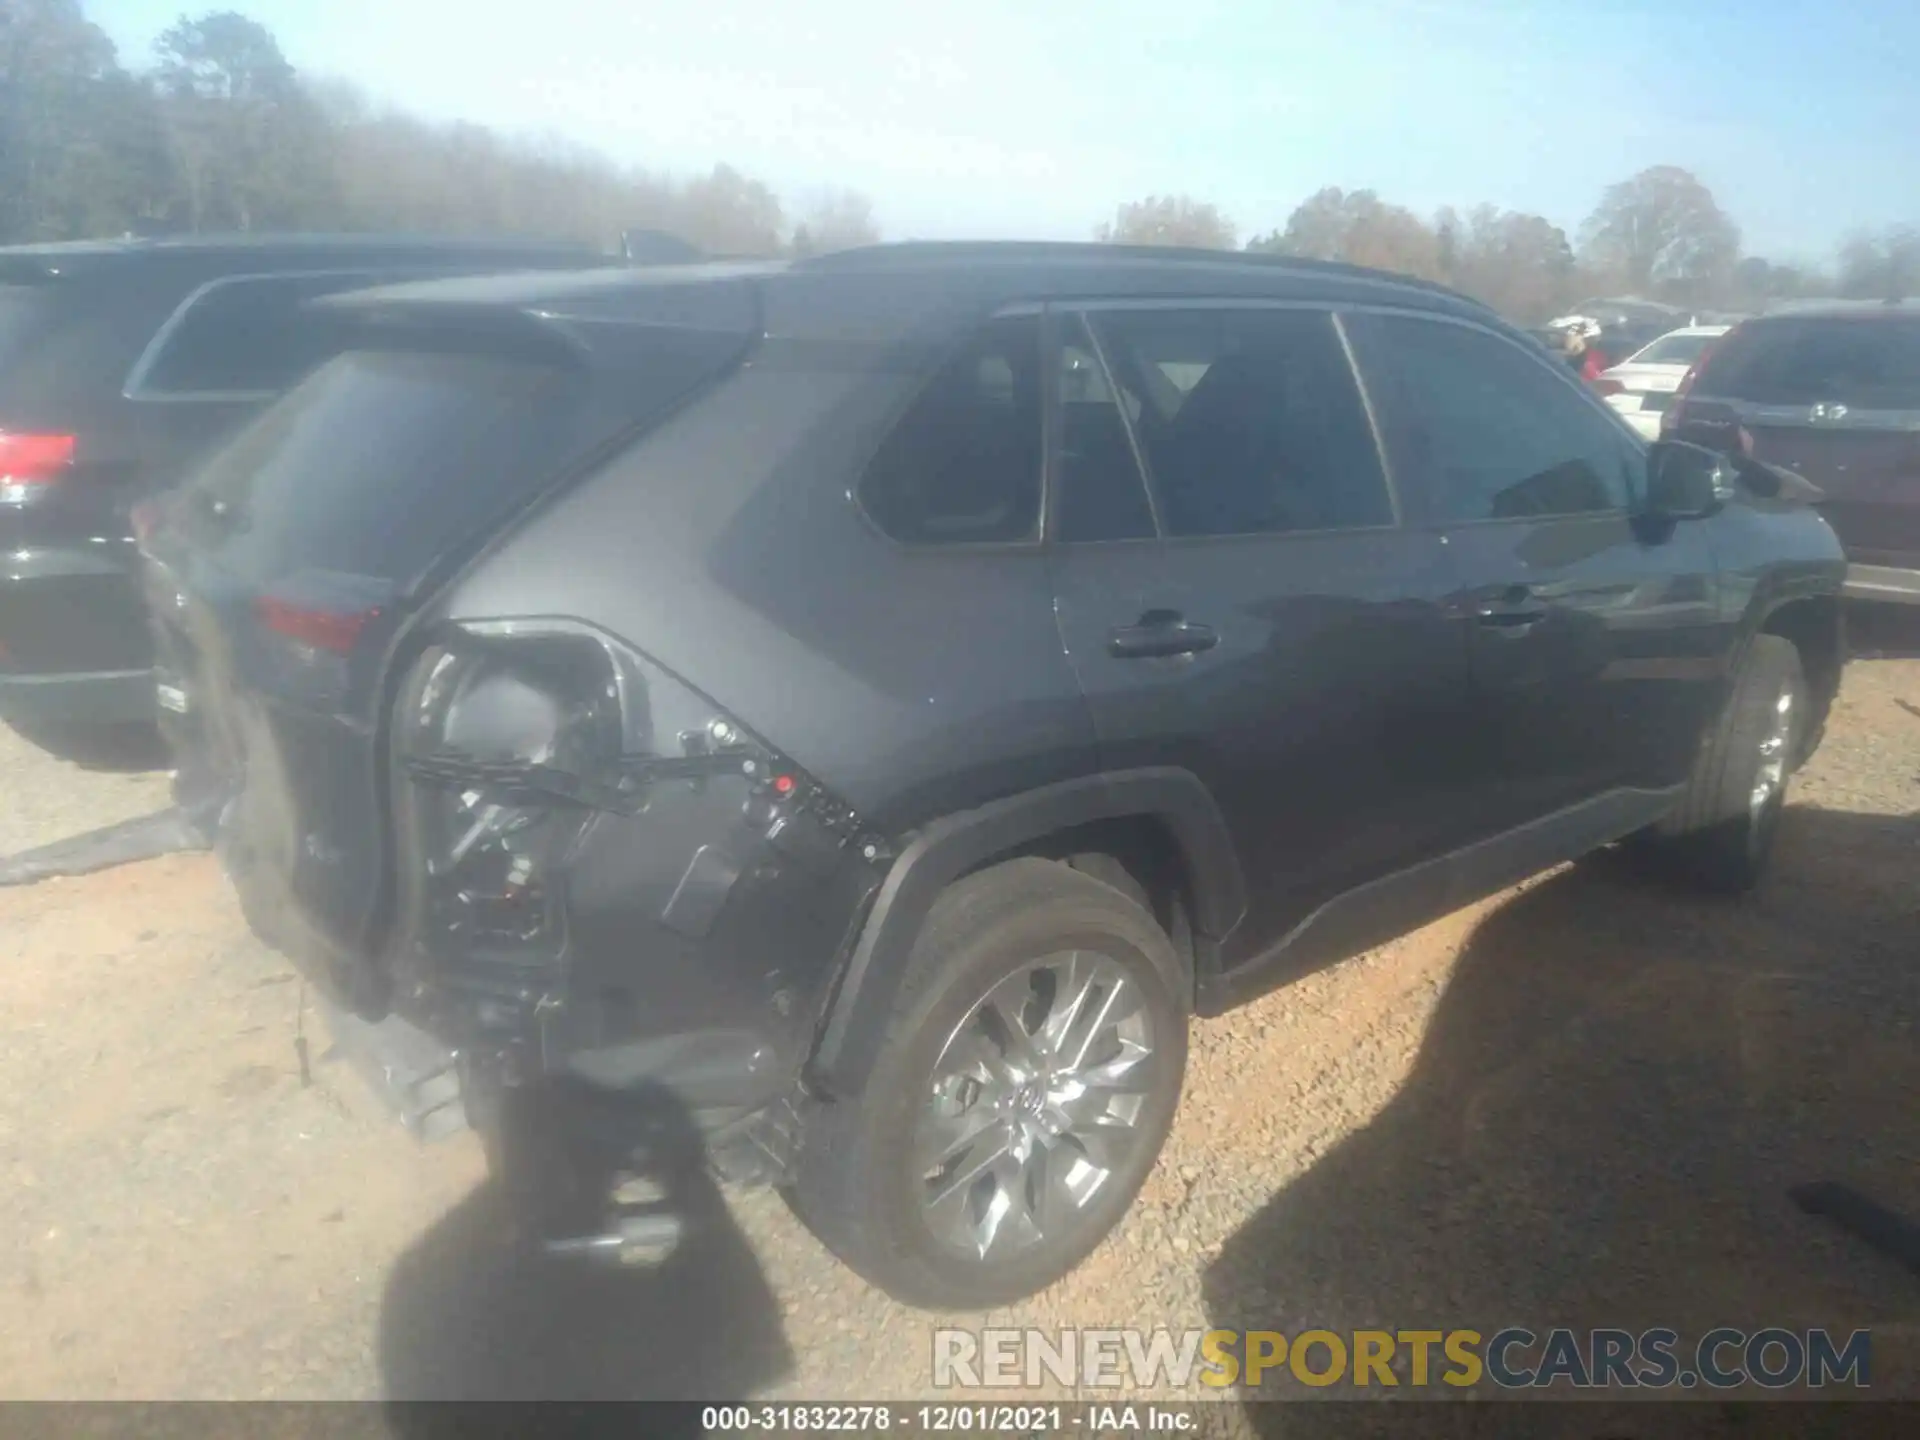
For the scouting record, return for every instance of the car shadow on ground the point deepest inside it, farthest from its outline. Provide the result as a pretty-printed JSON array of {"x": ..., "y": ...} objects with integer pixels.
[
  {"x": 1883, "y": 630},
  {"x": 121, "y": 749},
  {"x": 1617, "y": 1091},
  {"x": 475, "y": 1312}
]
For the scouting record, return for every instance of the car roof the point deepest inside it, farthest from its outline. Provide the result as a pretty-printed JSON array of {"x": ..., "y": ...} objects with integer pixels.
[
  {"x": 1842, "y": 310},
  {"x": 916, "y": 287},
  {"x": 241, "y": 250}
]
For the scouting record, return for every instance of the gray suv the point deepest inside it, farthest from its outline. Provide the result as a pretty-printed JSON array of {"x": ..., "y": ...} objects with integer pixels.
[{"x": 874, "y": 703}]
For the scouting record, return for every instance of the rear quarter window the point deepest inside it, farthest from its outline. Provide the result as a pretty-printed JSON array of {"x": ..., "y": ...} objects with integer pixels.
[{"x": 962, "y": 467}]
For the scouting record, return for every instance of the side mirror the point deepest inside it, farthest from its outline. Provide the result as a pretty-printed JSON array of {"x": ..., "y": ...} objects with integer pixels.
[{"x": 1686, "y": 482}]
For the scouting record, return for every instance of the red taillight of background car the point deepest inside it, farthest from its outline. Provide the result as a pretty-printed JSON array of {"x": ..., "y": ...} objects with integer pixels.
[
  {"x": 28, "y": 462},
  {"x": 334, "y": 631},
  {"x": 1670, "y": 420}
]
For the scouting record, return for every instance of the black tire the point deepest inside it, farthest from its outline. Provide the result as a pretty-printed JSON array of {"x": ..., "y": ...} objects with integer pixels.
[
  {"x": 854, "y": 1182},
  {"x": 1717, "y": 838}
]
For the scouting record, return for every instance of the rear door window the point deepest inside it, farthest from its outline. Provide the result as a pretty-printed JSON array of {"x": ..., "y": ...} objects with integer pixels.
[
  {"x": 1871, "y": 363},
  {"x": 245, "y": 336},
  {"x": 1250, "y": 420},
  {"x": 962, "y": 467},
  {"x": 382, "y": 459}
]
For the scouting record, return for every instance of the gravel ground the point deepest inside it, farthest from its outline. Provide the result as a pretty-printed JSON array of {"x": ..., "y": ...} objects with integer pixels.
[
  {"x": 1581, "y": 1102},
  {"x": 56, "y": 786}
]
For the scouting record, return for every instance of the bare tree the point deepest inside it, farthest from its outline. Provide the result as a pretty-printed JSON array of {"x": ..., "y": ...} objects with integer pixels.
[
  {"x": 249, "y": 143},
  {"x": 1885, "y": 266},
  {"x": 1662, "y": 232},
  {"x": 78, "y": 153},
  {"x": 834, "y": 220},
  {"x": 1169, "y": 220},
  {"x": 1358, "y": 227},
  {"x": 1521, "y": 265}
]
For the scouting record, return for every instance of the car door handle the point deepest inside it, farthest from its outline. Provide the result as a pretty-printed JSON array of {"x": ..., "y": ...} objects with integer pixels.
[
  {"x": 1160, "y": 633},
  {"x": 1513, "y": 610}
]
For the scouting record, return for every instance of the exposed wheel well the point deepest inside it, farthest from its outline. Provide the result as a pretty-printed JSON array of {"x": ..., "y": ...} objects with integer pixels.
[
  {"x": 1146, "y": 848},
  {"x": 1817, "y": 630}
]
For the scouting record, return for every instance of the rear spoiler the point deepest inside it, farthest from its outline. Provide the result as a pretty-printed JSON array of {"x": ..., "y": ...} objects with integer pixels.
[{"x": 572, "y": 315}]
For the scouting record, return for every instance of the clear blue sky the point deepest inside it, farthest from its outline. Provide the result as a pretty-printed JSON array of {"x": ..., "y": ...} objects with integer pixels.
[{"x": 1035, "y": 117}]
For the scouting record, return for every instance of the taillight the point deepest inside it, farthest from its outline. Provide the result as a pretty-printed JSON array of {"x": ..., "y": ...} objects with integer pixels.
[
  {"x": 1670, "y": 418},
  {"x": 512, "y": 735},
  {"x": 334, "y": 631},
  {"x": 30, "y": 462}
]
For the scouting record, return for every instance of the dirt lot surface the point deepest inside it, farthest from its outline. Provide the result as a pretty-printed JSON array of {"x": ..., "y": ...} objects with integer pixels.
[{"x": 1582, "y": 1102}]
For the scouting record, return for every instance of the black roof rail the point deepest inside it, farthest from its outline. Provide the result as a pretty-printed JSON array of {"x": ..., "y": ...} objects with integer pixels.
[{"x": 912, "y": 252}]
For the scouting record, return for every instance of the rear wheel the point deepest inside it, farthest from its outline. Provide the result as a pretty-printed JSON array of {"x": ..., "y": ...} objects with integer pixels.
[
  {"x": 1031, "y": 1073},
  {"x": 1721, "y": 835}
]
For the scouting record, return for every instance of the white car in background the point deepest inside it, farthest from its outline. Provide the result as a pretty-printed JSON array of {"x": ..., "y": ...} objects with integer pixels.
[{"x": 1641, "y": 386}]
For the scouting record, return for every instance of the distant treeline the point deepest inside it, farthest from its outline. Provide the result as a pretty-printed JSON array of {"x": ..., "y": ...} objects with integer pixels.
[{"x": 220, "y": 133}]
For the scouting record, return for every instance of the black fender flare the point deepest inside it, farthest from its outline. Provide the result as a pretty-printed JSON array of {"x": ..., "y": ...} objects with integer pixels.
[
  {"x": 851, "y": 1031},
  {"x": 1768, "y": 601}
]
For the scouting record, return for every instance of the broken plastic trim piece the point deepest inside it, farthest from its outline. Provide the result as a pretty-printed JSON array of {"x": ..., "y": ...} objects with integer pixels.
[{"x": 522, "y": 782}]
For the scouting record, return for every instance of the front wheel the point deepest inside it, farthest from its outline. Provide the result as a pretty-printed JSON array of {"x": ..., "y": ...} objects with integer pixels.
[
  {"x": 1721, "y": 835},
  {"x": 1031, "y": 1073}
]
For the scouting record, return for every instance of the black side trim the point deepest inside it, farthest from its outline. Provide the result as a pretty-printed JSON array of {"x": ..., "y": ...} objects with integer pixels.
[
  {"x": 1389, "y": 907},
  {"x": 951, "y": 846}
]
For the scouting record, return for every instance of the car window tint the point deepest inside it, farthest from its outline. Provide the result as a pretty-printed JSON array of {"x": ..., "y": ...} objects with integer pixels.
[
  {"x": 963, "y": 465},
  {"x": 1250, "y": 420},
  {"x": 247, "y": 336},
  {"x": 1102, "y": 493},
  {"x": 1871, "y": 363},
  {"x": 1490, "y": 431}
]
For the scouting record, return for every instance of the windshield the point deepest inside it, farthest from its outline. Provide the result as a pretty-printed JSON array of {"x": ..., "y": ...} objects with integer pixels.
[{"x": 1673, "y": 350}]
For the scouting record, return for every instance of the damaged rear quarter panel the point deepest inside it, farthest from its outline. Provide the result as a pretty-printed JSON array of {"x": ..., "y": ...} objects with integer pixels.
[{"x": 910, "y": 683}]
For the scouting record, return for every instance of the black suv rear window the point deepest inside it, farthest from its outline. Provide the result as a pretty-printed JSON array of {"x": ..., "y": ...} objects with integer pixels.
[
  {"x": 66, "y": 347},
  {"x": 1872, "y": 363},
  {"x": 380, "y": 460}
]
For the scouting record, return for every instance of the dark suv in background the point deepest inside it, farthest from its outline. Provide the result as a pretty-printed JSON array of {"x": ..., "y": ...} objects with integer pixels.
[
  {"x": 875, "y": 701},
  {"x": 120, "y": 361},
  {"x": 1834, "y": 394}
]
